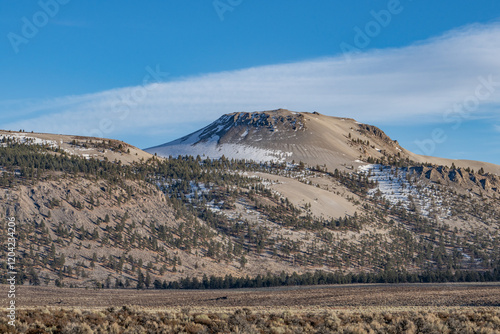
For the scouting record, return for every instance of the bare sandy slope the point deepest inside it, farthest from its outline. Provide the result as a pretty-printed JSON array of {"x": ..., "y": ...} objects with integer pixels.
[
  {"x": 127, "y": 155},
  {"x": 324, "y": 203},
  {"x": 326, "y": 142}
]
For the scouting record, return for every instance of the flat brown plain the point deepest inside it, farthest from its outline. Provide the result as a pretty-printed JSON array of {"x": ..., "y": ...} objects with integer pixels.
[{"x": 323, "y": 297}]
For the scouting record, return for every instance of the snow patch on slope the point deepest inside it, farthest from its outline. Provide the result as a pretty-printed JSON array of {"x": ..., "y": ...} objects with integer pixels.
[
  {"x": 32, "y": 140},
  {"x": 394, "y": 185},
  {"x": 28, "y": 140},
  {"x": 212, "y": 150}
]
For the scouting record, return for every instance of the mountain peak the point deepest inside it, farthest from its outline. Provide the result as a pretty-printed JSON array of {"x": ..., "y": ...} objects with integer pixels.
[
  {"x": 283, "y": 135},
  {"x": 279, "y": 135}
]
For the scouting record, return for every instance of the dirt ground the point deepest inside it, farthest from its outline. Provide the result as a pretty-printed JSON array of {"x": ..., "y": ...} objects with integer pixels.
[{"x": 322, "y": 297}]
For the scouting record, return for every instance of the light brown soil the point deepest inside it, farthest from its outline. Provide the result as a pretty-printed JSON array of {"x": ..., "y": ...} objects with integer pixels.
[
  {"x": 324, "y": 203},
  {"x": 323, "y": 297}
]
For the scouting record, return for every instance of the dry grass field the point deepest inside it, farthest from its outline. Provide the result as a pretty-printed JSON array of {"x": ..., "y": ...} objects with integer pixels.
[
  {"x": 328, "y": 297},
  {"x": 405, "y": 308},
  {"x": 136, "y": 320}
]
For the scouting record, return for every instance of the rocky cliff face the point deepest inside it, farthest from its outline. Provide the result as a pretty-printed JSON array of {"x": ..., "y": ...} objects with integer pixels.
[{"x": 461, "y": 179}]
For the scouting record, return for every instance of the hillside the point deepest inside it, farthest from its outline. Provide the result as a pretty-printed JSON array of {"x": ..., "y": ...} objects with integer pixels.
[
  {"x": 137, "y": 220},
  {"x": 84, "y": 147}
]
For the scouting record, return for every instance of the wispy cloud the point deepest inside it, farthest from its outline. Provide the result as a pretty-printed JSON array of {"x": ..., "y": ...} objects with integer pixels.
[
  {"x": 417, "y": 83},
  {"x": 496, "y": 127}
]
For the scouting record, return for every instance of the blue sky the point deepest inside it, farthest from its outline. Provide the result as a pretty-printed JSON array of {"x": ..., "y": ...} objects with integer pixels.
[{"x": 149, "y": 72}]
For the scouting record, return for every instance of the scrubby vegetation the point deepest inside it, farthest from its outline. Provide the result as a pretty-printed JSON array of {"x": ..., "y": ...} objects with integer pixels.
[{"x": 135, "y": 320}]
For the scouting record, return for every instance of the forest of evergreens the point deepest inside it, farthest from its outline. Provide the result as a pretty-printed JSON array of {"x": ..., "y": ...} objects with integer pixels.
[{"x": 195, "y": 186}]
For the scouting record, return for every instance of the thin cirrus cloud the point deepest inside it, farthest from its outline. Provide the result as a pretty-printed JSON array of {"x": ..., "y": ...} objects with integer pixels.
[{"x": 417, "y": 83}]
